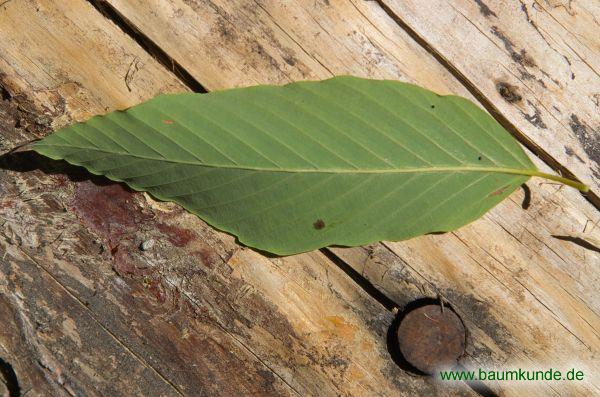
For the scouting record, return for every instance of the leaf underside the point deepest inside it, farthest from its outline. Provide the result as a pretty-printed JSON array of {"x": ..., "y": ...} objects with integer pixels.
[{"x": 288, "y": 169}]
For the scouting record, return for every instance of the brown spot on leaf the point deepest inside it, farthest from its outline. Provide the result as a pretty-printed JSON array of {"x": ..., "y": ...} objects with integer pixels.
[
  {"x": 169, "y": 122},
  {"x": 319, "y": 224},
  {"x": 498, "y": 191}
]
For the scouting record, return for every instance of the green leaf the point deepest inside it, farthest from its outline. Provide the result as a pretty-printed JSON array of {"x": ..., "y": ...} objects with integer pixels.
[{"x": 345, "y": 161}]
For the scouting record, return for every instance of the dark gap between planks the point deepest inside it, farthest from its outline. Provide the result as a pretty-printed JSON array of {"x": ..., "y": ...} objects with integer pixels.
[{"x": 111, "y": 13}]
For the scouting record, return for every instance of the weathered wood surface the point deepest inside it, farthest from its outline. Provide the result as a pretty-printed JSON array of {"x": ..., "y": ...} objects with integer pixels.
[
  {"x": 197, "y": 314},
  {"x": 537, "y": 63}
]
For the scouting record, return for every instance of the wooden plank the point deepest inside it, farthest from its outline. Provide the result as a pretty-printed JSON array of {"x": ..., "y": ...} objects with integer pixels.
[
  {"x": 516, "y": 268},
  {"x": 195, "y": 310},
  {"x": 44, "y": 324},
  {"x": 537, "y": 63},
  {"x": 273, "y": 42}
]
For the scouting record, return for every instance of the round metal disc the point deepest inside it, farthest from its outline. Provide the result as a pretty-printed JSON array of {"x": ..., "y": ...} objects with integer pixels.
[{"x": 430, "y": 338}]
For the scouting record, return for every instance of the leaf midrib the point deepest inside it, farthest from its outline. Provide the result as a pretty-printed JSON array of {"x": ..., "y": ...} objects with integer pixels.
[{"x": 501, "y": 170}]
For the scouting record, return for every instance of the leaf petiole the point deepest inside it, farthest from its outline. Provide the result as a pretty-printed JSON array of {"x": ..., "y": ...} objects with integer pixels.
[{"x": 577, "y": 185}]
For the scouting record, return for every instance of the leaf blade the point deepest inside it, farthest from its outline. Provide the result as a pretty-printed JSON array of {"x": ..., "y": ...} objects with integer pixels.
[{"x": 293, "y": 168}]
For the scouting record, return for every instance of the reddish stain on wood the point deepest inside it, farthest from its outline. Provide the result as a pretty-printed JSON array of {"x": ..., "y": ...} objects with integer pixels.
[
  {"x": 124, "y": 264},
  {"x": 179, "y": 237},
  {"x": 208, "y": 257},
  {"x": 107, "y": 209},
  {"x": 157, "y": 289},
  {"x": 7, "y": 204}
]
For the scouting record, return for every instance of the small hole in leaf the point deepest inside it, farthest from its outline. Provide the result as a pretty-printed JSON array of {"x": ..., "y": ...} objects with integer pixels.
[
  {"x": 319, "y": 224},
  {"x": 479, "y": 158},
  {"x": 433, "y": 106}
]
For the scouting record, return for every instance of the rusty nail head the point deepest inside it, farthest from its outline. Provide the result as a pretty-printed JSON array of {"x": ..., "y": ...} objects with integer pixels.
[{"x": 430, "y": 338}]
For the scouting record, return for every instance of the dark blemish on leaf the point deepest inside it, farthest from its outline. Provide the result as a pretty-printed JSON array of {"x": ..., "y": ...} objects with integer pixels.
[
  {"x": 433, "y": 106},
  {"x": 168, "y": 122},
  {"x": 484, "y": 9},
  {"x": 508, "y": 92},
  {"x": 479, "y": 158},
  {"x": 498, "y": 192},
  {"x": 527, "y": 196},
  {"x": 319, "y": 224}
]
